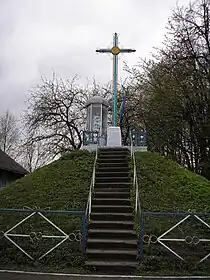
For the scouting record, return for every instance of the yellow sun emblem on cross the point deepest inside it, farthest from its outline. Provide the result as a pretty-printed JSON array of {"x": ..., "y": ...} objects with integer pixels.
[{"x": 115, "y": 50}]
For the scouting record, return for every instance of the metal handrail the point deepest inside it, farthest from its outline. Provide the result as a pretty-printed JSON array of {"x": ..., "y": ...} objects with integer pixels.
[
  {"x": 92, "y": 185},
  {"x": 135, "y": 179}
]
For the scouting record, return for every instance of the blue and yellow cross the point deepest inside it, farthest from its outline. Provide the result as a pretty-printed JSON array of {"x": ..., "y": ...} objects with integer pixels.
[{"x": 115, "y": 50}]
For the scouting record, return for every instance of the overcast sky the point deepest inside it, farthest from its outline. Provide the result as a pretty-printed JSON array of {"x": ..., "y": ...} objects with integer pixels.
[{"x": 38, "y": 37}]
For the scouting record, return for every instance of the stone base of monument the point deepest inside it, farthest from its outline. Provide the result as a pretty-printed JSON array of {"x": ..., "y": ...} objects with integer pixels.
[{"x": 114, "y": 137}]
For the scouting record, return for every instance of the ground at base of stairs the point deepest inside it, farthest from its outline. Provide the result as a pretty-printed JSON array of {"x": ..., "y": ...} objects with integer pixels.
[{"x": 51, "y": 276}]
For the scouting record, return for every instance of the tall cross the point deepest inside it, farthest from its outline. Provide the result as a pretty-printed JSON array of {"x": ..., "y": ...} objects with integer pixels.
[{"x": 115, "y": 50}]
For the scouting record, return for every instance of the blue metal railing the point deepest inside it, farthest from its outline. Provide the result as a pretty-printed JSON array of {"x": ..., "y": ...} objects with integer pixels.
[
  {"x": 135, "y": 179},
  {"x": 139, "y": 138},
  {"x": 152, "y": 239},
  {"x": 81, "y": 237},
  {"x": 92, "y": 185},
  {"x": 90, "y": 137}
]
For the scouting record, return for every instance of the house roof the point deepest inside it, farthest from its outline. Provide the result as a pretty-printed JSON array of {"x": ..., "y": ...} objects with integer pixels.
[{"x": 9, "y": 164}]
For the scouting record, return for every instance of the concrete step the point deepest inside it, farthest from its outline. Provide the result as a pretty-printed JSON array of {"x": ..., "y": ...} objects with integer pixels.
[
  {"x": 111, "y": 160},
  {"x": 113, "y": 149},
  {"x": 111, "y": 194},
  {"x": 112, "y": 208},
  {"x": 116, "y": 185},
  {"x": 112, "y": 233},
  {"x": 124, "y": 225},
  {"x": 106, "y": 164},
  {"x": 111, "y": 255},
  {"x": 114, "y": 264},
  {"x": 112, "y": 173},
  {"x": 100, "y": 216},
  {"x": 111, "y": 201},
  {"x": 113, "y": 189},
  {"x": 113, "y": 267},
  {"x": 104, "y": 151},
  {"x": 112, "y": 154},
  {"x": 112, "y": 179},
  {"x": 112, "y": 169},
  {"x": 95, "y": 243}
]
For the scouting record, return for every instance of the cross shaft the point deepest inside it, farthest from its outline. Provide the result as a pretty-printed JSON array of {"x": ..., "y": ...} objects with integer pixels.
[{"x": 115, "y": 50}]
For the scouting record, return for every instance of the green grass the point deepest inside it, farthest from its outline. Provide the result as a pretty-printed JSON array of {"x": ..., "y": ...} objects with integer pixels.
[
  {"x": 166, "y": 186},
  {"x": 64, "y": 185},
  {"x": 61, "y": 185}
]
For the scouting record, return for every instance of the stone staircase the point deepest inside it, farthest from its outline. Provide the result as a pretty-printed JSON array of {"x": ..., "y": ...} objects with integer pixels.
[{"x": 111, "y": 240}]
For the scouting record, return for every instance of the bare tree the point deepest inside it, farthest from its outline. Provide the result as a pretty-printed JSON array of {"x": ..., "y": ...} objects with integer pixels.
[
  {"x": 9, "y": 133},
  {"x": 56, "y": 111},
  {"x": 32, "y": 154},
  {"x": 133, "y": 117}
]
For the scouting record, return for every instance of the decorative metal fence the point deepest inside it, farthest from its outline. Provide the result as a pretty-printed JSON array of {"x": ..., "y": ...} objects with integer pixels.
[
  {"x": 43, "y": 236},
  {"x": 139, "y": 138},
  {"x": 93, "y": 138},
  {"x": 90, "y": 137},
  {"x": 167, "y": 237}
]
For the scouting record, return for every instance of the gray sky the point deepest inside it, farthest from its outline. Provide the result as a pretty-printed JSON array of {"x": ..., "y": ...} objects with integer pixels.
[{"x": 41, "y": 36}]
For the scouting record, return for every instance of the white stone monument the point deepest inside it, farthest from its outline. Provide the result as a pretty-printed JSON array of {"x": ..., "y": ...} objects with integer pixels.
[{"x": 114, "y": 136}]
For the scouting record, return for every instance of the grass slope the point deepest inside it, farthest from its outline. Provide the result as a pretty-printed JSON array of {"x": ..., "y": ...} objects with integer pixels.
[
  {"x": 64, "y": 185},
  {"x": 61, "y": 185},
  {"x": 166, "y": 186}
]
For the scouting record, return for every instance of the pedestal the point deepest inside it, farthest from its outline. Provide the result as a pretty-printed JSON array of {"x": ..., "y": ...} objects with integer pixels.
[{"x": 114, "y": 137}]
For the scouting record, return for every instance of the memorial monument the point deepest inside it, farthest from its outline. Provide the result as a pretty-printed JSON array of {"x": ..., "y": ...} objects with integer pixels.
[
  {"x": 97, "y": 132},
  {"x": 113, "y": 132}
]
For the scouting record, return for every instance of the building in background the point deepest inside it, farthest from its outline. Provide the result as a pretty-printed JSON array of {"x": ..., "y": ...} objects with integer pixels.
[{"x": 10, "y": 170}]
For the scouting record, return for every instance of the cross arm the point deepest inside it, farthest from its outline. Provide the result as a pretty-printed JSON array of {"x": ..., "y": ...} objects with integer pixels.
[
  {"x": 103, "y": 50},
  {"x": 127, "y": 50}
]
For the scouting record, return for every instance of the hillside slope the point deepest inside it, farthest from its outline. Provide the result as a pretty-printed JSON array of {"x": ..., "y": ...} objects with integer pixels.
[
  {"x": 165, "y": 185},
  {"x": 62, "y": 185}
]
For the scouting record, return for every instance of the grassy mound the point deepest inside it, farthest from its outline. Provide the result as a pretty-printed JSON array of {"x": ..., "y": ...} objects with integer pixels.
[
  {"x": 61, "y": 185},
  {"x": 166, "y": 186},
  {"x": 64, "y": 185}
]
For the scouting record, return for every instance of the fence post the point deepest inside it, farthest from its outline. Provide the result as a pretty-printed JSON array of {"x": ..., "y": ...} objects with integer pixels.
[
  {"x": 83, "y": 235},
  {"x": 141, "y": 235}
]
